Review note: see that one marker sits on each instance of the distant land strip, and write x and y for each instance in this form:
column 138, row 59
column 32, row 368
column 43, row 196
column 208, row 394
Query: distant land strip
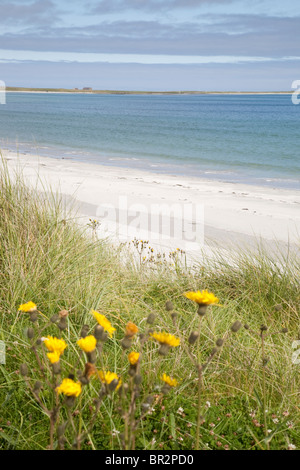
column 124, row 92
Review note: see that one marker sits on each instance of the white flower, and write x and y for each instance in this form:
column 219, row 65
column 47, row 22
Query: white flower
column 180, row 410
column 207, row 404
column 275, row 420
column 291, row 447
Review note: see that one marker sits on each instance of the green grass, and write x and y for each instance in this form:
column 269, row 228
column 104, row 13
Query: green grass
column 46, row 258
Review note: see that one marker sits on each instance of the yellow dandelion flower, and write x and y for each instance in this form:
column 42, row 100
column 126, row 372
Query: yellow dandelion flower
column 29, row 307
column 53, row 357
column 108, row 377
column 69, row 388
column 202, row 297
column 133, row 357
column 169, row 381
column 104, row 322
column 166, row 338
column 55, row 345
column 87, row 344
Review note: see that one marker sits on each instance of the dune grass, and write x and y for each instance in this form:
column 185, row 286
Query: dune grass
column 249, row 397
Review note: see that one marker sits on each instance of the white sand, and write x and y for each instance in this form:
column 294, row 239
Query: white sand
column 235, row 215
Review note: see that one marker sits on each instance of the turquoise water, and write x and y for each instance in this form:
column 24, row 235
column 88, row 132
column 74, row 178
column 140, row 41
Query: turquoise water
column 252, row 139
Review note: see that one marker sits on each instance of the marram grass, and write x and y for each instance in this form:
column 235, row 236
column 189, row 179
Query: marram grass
column 72, row 381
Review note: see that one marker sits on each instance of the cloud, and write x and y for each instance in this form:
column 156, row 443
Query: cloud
column 108, row 6
column 28, row 13
column 240, row 35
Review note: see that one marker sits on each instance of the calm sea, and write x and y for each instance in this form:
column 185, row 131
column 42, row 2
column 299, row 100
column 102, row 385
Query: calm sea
column 251, row 139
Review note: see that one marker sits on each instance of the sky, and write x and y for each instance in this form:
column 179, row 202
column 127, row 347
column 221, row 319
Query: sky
column 159, row 45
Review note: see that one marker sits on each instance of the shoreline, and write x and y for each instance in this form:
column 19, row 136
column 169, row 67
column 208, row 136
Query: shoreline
column 219, row 214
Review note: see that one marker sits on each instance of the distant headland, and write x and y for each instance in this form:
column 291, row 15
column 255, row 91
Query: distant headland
column 89, row 90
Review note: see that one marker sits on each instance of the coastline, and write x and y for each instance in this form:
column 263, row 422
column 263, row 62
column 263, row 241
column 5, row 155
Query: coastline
column 137, row 92
column 229, row 216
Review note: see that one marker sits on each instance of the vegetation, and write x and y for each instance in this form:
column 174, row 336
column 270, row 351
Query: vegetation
column 224, row 376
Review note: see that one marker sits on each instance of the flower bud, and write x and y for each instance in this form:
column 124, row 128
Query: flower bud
column 138, row 379
column 62, row 324
column 84, row 331
column 236, row 326
column 219, row 342
column 169, row 306
column 37, row 386
column 63, row 313
column 54, row 318
column 126, row 343
column 193, row 337
column 33, row 315
column 56, row 368
column 174, row 315
column 284, row 330
column 30, row 333
column 151, row 318
column 92, row 356
column 263, row 328
column 84, row 380
column 98, row 332
column 24, row 370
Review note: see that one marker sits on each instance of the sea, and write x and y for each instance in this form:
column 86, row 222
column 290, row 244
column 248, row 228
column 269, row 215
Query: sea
column 251, row 139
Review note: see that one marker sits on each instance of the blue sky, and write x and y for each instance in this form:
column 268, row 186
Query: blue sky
column 150, row 44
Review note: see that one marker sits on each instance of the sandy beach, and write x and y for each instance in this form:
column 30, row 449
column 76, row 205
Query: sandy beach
column 170, row 211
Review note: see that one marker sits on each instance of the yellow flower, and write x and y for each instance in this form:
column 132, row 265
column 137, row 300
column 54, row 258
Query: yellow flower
column 53, row 357
column 131, row 329
column 202, row 297
column 133, row 357
column 55, row 345
column 169, row 381
column 166, row 338
column 87, row 344
column 102, row 320
column 29, row 307
column 69, row 388
column 108, row 377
